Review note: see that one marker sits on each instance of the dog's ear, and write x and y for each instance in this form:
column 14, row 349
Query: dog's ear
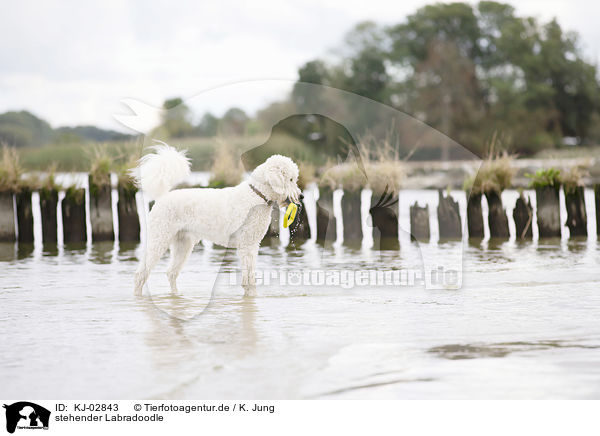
column 275, row 180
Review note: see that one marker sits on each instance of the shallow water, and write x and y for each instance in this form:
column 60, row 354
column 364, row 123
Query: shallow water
column 524, row 324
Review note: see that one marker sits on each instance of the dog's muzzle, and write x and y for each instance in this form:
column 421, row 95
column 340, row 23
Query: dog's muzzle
column 300, row 198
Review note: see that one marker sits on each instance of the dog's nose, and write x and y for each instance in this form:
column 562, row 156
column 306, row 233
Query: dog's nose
column 301, row 196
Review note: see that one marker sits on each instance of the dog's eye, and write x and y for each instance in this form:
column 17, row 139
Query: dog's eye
column 291, row 179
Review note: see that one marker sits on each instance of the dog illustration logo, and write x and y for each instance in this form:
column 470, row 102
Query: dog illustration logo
column 26, row 415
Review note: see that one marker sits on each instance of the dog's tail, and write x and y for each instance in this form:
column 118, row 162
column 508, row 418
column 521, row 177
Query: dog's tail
column 157, row 173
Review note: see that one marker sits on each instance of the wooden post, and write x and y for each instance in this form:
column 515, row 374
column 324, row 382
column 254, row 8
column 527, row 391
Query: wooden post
column 73, row 216
column 448, row 217
column 7, row 217
column 24, row 250
column 48, row 208
column 351, row 217
column 419, row 223
column 24, row 215
column 326, row 222
column 548, row 211
column 523, row 216
column 475, row 216
column 101, row 210
column 7, row 252
column 129, row 221
column 597, row 195
column 384, row 216
column 576, row 213
column 497, row 218
column 299, row 229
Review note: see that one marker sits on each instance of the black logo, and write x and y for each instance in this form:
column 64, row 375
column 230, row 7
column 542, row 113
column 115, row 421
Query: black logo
column 26, row 415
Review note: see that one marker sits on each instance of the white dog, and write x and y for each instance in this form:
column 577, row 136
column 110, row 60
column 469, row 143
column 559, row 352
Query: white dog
column 236, row 217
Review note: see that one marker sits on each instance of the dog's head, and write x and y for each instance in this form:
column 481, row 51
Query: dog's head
column 278, row 178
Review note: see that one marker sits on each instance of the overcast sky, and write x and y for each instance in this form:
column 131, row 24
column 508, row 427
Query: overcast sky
column 72, row 62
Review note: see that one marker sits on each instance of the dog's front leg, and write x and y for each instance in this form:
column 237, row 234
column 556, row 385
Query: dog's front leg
column 248, row 261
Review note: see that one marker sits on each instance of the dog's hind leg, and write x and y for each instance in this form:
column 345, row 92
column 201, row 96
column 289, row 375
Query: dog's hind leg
column 181, row 248
column 154, row 251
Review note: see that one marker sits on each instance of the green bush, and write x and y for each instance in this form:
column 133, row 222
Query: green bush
column 545, row 177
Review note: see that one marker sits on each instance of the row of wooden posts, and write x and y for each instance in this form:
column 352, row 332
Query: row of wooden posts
column 383, row 213
column 73, row 214
column 385, row 218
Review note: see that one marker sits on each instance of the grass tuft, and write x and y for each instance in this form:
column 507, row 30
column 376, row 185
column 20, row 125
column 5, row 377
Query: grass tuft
column 384, row 168
column 10, row 170
column 385, row 174
column 227, row 169
column 573, row 178
column 125, row 162
column 549, row 177
column 101, row 163
column 494, row 175
column 307, row 174
column 347, row 176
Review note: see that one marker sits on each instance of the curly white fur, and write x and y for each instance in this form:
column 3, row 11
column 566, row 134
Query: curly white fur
column 157, row 173
column 234, row 217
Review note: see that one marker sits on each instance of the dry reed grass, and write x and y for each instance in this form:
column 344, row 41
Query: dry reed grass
column 10, row 170
column 227, row 169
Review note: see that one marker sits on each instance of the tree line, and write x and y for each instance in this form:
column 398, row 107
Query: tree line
column 472, row 72
column 24, row 129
